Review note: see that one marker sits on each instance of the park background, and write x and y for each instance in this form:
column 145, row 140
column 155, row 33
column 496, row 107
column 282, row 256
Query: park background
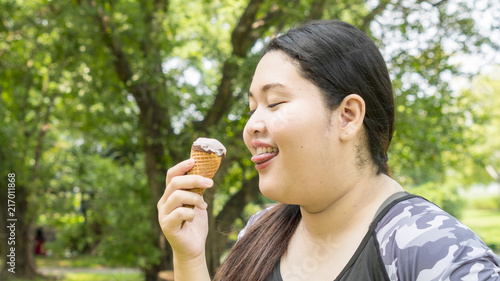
column 99, row 98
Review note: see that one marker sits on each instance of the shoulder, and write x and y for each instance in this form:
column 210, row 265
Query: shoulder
column 252, row 220
column 420, row 241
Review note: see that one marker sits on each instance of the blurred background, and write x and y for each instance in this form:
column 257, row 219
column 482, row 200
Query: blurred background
column 100, row 97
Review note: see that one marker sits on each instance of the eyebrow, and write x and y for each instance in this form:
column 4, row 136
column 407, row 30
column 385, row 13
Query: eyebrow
column 268, row 87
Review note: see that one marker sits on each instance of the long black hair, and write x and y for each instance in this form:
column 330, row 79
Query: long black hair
column 340, row 60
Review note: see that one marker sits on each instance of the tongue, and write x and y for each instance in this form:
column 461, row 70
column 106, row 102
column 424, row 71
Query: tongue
column 261, row 158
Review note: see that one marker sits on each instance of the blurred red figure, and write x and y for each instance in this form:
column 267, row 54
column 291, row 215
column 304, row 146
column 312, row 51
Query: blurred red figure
column 39, row 240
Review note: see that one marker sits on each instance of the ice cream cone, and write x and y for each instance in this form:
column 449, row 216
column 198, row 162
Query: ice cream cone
column 208, row 154
column 206, row 165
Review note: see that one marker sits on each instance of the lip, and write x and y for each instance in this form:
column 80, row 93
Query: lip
column 265, row 159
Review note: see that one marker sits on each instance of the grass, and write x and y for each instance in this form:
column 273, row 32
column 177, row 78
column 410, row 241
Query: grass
column 486, row 224
column 92, row 277
column 82, row 262
column 103, row 277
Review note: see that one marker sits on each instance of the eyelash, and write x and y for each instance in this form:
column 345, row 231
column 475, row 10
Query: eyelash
column 269, row 106
column 274, row 104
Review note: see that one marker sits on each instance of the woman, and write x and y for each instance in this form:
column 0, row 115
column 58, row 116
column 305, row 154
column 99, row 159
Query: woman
column 322, row 120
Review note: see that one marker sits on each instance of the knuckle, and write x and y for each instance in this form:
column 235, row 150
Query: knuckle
column 188, row 214
column 160, row 204
column 181, row 197
column 174, row 196
column 181, row 213
column 174, row 182
column 170, row 172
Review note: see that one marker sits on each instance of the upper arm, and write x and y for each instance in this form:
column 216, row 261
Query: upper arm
column 421, row 242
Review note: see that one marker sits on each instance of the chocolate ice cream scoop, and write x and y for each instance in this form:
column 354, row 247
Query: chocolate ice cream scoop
column 208, row 145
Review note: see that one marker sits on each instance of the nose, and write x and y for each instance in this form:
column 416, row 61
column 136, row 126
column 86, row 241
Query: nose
column 255, row 123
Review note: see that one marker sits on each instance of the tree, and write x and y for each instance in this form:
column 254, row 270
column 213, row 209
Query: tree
column 31, row 80
column 483, row 120
column 422, row 70
column 165, row 72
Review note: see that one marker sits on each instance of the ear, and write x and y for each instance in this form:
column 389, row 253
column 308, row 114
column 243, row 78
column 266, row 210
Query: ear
column 351, row 113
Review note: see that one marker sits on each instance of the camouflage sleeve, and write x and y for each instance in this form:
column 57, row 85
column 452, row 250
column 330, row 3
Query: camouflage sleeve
column 420, row 242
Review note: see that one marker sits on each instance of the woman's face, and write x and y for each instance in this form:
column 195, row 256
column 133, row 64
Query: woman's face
column 292, row 136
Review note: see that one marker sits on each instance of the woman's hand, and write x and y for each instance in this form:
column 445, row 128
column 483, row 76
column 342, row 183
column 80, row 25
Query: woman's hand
column 188, row 240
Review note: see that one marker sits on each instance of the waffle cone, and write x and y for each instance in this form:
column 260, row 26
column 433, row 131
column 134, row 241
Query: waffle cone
column 206, row 165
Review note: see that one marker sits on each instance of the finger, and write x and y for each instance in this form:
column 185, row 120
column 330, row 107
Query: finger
column 175, row 219
column 179, row 169
column 180, row 198
column 189, row 182
column 185, row 182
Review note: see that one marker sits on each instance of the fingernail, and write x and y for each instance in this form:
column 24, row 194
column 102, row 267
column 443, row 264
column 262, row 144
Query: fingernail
column 208, row 182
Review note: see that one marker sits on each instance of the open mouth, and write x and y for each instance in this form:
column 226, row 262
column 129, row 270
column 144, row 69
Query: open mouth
column 263, row 155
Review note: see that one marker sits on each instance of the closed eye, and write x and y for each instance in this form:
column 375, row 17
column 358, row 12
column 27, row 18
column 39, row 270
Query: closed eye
column 274, row 104
column 250, row 112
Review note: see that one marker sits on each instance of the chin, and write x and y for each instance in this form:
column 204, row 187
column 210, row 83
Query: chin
column 271, row 191
column 278, row 194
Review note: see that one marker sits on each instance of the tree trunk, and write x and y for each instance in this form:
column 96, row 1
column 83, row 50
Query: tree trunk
column 4, row 232
column 151, row 274
column 222, row 224
column 151, row 122
column 17, row 237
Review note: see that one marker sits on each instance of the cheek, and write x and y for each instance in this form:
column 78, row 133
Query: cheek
column 283, row 118
column 297, row 121
column 306, row 141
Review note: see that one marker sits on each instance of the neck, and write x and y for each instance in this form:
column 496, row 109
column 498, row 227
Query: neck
column 356, row 206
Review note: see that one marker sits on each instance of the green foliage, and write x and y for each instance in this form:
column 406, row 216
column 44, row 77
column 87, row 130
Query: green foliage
column 445, row 196
column 485, row 153
column 485, row 224
column 74, row 129
column 480, row 197
column 92, row 218
column 488, row 202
